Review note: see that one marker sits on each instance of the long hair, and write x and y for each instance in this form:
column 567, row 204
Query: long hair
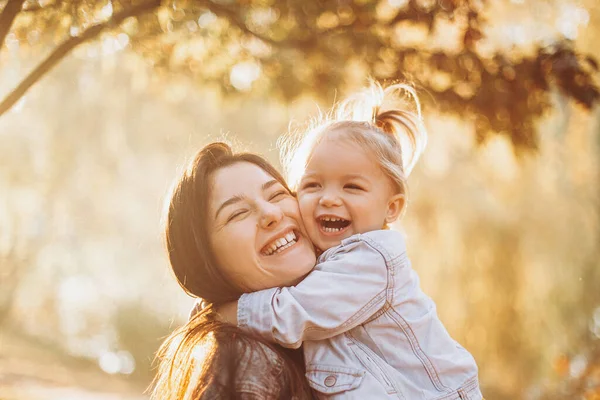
column 193, row 356
column 186, row 230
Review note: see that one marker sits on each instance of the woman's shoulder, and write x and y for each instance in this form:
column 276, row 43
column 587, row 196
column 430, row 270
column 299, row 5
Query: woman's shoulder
column 246, row 350
column 245, row 368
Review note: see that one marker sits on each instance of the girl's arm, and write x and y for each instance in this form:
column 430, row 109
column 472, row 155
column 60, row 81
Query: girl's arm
column 341, row 293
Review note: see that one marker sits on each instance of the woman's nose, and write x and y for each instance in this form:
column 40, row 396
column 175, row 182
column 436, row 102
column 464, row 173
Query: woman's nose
column 271, row 215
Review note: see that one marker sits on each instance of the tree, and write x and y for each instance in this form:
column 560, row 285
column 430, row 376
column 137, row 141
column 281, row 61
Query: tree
column 294, row 46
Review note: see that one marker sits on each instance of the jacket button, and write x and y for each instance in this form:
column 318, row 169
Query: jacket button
column 330, row 380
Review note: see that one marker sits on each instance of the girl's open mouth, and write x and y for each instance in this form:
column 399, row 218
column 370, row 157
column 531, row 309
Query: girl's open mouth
column 330, row 225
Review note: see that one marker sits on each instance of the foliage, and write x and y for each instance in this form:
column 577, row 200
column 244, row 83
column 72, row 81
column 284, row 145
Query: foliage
column 508, row 249
column 295, row 46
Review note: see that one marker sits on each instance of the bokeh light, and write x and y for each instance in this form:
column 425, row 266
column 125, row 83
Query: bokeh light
column 503, row 221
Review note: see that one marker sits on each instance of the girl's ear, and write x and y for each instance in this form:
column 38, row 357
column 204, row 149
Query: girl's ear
column 395, row 206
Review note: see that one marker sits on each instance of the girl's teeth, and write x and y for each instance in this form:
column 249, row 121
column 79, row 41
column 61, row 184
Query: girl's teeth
column 331, row 219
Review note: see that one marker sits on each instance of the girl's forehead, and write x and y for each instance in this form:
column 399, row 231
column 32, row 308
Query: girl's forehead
column 342, row 155
column 341, row 141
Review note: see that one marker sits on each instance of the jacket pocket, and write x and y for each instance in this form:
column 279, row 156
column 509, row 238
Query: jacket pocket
column 329, row 379
column 373, row 363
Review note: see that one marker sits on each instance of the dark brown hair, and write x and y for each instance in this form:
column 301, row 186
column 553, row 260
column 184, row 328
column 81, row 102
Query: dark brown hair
column 186, row 230
column 191, row 357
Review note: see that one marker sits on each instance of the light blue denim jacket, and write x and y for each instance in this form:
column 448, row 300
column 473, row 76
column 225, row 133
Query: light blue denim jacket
column 368, row 330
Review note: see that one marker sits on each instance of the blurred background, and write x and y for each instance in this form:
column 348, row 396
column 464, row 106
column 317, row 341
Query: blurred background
column 104, row 101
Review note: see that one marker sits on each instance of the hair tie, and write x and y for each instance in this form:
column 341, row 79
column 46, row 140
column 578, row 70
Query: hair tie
column 382, row 121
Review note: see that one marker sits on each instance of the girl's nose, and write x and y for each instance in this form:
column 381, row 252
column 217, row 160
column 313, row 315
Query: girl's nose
column 271, row 215
column 330, row 200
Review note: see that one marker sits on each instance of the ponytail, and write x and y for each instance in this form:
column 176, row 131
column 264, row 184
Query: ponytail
column 394, row 110
column 387, row 122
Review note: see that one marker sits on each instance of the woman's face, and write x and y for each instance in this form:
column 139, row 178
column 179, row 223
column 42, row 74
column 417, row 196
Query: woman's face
column 255, row 229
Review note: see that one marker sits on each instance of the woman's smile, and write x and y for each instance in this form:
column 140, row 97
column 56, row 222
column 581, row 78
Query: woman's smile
column 281, row 243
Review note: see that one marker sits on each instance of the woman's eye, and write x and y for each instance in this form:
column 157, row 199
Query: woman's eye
column 278, row 195
column 236, row 214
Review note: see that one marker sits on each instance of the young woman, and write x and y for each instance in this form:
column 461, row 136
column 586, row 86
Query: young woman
column 224, row 210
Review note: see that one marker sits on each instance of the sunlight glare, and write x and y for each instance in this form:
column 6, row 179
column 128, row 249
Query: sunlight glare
column 206, row 19
column 244, row 74
column 570, row 19
column 107, row 11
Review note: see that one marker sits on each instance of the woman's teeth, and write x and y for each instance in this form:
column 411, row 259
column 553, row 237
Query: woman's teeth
column 278, row 245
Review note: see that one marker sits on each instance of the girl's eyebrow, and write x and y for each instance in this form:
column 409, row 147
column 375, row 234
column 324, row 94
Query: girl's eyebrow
column 355, row 176
column 309, row 175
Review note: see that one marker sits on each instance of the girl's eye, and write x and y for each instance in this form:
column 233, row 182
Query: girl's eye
column 236, row 214
column 353, row 186
column 310, row 185
column 278, row 195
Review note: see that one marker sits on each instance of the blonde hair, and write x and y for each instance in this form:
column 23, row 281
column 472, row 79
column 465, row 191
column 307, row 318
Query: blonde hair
column 386, row 121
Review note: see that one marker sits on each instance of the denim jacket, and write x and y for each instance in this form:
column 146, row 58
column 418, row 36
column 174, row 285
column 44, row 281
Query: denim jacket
column 368, row 330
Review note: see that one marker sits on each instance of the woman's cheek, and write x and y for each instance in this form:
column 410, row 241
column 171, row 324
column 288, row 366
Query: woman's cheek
column 233, row 235
column 248, row 234
column 291, row 205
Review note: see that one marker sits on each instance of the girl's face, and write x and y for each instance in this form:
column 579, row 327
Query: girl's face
column 344, row 192
column 256, row 231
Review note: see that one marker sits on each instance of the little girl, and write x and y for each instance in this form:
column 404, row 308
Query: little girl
column 367, row 329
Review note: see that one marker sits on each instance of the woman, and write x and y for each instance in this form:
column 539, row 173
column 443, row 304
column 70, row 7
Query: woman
column 226, row 214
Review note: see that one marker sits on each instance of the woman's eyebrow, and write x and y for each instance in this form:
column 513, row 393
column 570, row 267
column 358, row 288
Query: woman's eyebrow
column 268, row 184
column 228, row 202
column 239, row 197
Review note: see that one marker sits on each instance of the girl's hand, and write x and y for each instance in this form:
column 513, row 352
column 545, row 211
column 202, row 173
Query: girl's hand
column 227, row 313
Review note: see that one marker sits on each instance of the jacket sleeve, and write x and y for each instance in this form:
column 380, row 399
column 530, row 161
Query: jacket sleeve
column 339, row 294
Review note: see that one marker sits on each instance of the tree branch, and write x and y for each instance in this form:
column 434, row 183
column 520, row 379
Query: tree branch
column 10, row 12
column 67, row 46
column 231, row 16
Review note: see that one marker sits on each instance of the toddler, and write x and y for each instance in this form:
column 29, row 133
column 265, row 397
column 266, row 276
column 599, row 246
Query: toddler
column 367, row 329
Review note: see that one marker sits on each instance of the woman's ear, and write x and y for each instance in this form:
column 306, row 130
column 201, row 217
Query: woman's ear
column 395, row 206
